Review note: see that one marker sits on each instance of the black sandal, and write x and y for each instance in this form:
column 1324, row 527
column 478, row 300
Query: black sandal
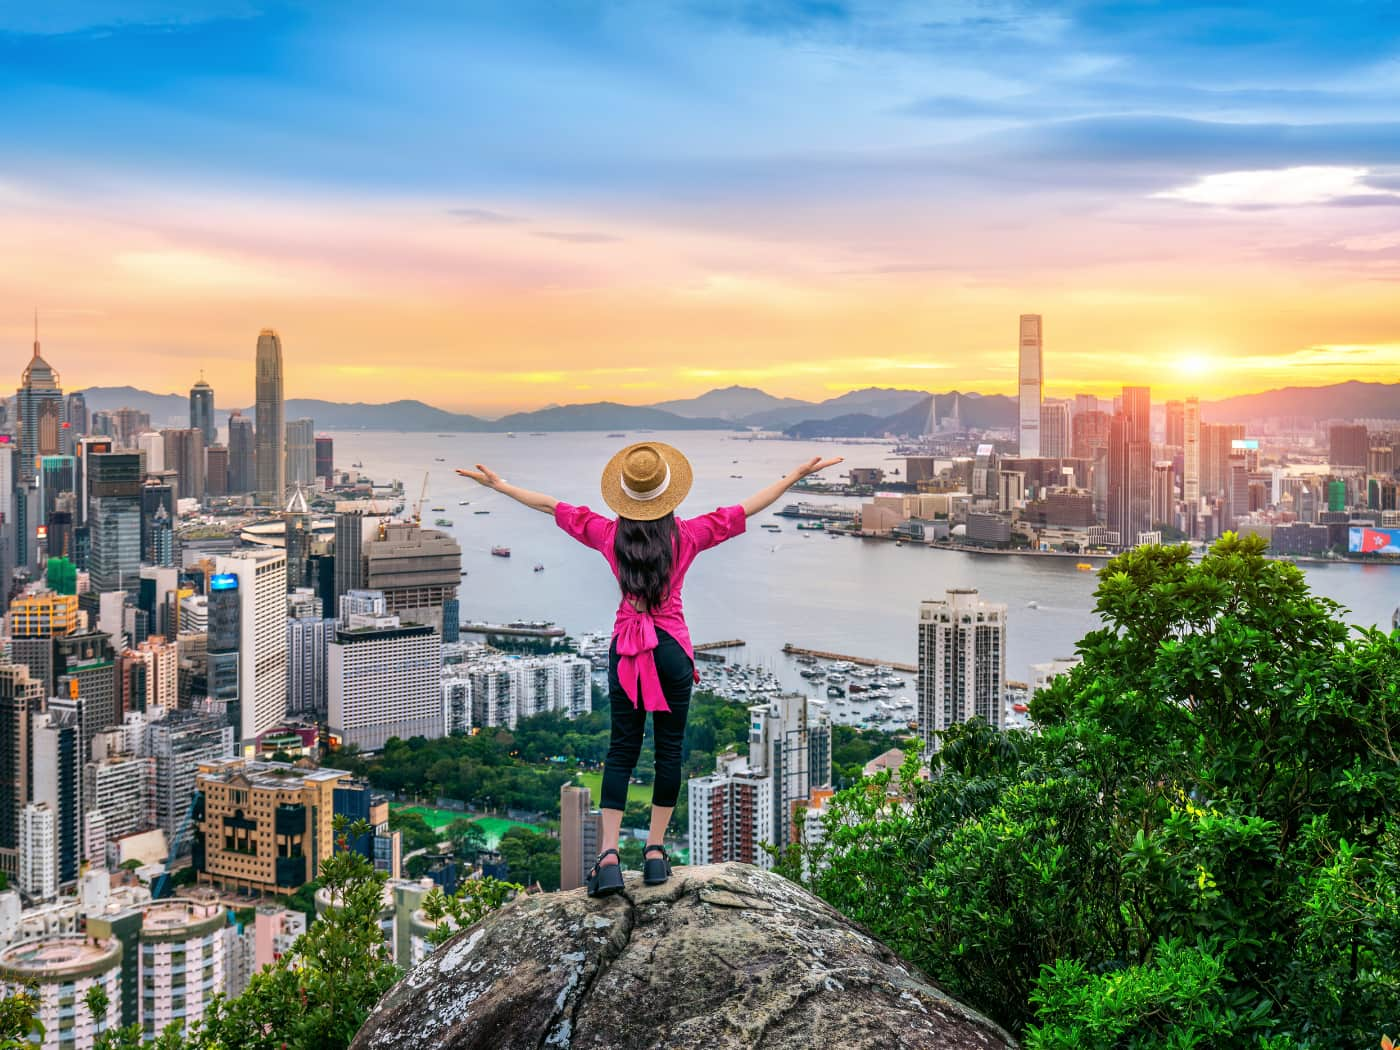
column 655, row 870
column 605, row 879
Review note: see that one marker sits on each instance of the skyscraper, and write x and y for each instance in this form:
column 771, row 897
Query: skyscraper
column 242, row 455
column 325, row 457
column 216, row 471
column 1130, row 466
column 349, row 553
column 296, row 538
column 1217, row 445
column 1031, row 384
column 1191, row 458
column 77, row 414
column 184, row 454
column 202, row 411
column 962, row 663
column 1055, row 429
column 261, row 584
column 419, row 571
column 578, row 835
column 301, row 452
column 1348, row 445
column 114, row 482
column 1163, row 494
column 21, row 697
column 384, row 680
column 39, row 402
column 271, row 428
column 58, row 779
column 1176, row 424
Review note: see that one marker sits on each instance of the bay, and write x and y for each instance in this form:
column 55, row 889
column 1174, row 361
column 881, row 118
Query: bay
column 842, row 594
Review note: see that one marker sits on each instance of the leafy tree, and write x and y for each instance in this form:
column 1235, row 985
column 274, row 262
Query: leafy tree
column 19, row 1018
column 474, row 899
column 1199, row 847
column 531, row 857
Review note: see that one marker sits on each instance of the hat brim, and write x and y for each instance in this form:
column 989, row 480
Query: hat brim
column 647, row 509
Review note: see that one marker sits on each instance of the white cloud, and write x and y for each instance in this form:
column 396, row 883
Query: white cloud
column 1278, row 188
column 1371, row 242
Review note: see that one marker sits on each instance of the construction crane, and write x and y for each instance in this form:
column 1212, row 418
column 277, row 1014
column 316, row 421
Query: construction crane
column 163, row 883
column 422, row 498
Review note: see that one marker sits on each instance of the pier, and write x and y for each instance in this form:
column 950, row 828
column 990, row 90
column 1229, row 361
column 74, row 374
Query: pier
column 732, row 643
column 864, row 661
column 509, row 630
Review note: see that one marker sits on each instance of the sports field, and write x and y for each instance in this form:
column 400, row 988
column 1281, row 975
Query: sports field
column 594, row 782
column 492, row 827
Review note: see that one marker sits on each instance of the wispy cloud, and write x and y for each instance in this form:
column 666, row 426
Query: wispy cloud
column 483, row 216
column 1280, row 188
column 578, row 236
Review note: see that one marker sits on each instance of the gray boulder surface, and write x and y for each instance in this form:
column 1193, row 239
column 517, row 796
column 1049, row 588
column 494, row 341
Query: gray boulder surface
column 721, row 957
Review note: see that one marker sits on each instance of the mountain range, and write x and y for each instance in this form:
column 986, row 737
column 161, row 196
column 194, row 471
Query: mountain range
column 870, row 412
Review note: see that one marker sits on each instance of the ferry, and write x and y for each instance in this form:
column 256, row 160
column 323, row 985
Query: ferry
column 812, row 526
column 438, row 510
column 501, row 552
column 445, row 523
column 464, row 503
column 439, row 459
column 481, row 512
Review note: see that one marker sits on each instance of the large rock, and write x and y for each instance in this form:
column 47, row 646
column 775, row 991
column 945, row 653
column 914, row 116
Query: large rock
column 720, row 958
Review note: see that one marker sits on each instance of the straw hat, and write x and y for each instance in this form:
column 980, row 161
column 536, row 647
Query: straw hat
column 646, row 481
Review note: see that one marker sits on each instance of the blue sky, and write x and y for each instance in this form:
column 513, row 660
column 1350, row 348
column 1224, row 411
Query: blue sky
column 881, row 138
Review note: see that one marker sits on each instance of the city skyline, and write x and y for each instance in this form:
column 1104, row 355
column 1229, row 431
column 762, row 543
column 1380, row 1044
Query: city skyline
column 518, row 207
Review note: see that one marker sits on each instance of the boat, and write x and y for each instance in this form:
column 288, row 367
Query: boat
column 855, row 687
column 509, row 434
column 1032, row 604
column 814, row 526
column 736, row 475
column 812, row 672
column 445, row 523
column 439, row 459
column 835, row 691
column 1084, row 566
column 357, row 466
column 617, row 435
column 537, row 433
column 501, row 552
column 464, row 572
column 539, row 567
column 437, row 510
column 899, row 543
column 481, row 512
column 464, row 503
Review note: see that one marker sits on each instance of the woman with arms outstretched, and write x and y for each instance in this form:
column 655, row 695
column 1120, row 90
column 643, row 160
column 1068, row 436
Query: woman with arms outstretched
column 651, row 662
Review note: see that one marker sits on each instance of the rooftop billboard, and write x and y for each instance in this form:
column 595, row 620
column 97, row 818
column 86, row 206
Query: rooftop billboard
column 1366, row 540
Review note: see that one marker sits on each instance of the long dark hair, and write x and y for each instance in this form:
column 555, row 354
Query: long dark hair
column 646, row 553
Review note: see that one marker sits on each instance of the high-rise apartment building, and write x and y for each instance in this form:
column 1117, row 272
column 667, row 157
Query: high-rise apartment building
column 1088, row 433
column 301, row 453
column 265, row 826
column 259, row 578
column 751, row 801
column 1129, row 480
column 161, row 676
column 119, row 784
column 962, row 663
column 307, row 652
column 242, row 455
column 271, row 425
column 1348, row 445
column 1217, row 445
column 202, row 411
column 1191, row 453
column 580, row 831
column 178, row 745
column 21, row 697
column 1031, row 384
column 61, row 970
column 1163, row 496
column 499, row 690
column 38, row 854
column 1176, row 424
column 1056, row 430
column 384, row 680
column 184, row 454
column 58, row 779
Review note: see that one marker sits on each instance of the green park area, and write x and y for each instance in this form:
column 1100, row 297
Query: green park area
column 636, row 793
column 492, row 827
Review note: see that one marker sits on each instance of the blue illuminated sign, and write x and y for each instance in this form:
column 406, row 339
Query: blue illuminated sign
column 223, row 581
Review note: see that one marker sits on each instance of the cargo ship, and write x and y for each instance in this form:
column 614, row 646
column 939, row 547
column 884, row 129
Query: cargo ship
column 501, row 552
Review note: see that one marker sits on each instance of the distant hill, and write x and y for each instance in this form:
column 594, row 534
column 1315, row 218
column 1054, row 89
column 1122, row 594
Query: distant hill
column 1350, row 400
column 164, row 409
column 983, row 412
column 731, row 402
column 871, row 401
column 605, row 415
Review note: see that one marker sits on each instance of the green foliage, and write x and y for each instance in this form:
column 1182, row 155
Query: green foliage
column 19, row 1018
column 474, row 899
column 532, row 857
column 1198, row 848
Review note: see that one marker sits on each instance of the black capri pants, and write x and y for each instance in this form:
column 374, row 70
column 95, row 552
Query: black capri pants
column 629, row 724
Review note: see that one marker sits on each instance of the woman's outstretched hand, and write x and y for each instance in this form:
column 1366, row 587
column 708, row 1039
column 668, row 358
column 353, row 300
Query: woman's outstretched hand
column 484, row 476
column 816, row 464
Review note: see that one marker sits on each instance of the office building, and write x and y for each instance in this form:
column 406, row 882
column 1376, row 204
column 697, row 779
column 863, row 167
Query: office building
column 58, row 780
column 1056, row 430
column 265, row 826
column 301, row 453
column 1163, row 494
column 360, row 603
column 128, row 424
column 1191, row 449
column 35, row 621
column 38, row 852
column 114, row 483
column 1089, row 433
column 216, row 471
column 349, row 552
column 580, row 830
column 77, row 414
column 962, row 663
column 296, row 537
column 85, row 666
column 1217, row 446
column 271, row 429
column 259, row 578
column 384, row 680
column 1348, row 446
column 21, row 697
column 242, row 455
column 325, row 458
column 60, row 971
column 178, row 745
column 1129, row 504
column 1031, row 384
column 39, row 402
column 307, row 651
column 419, row 571
column 83, row 451
column 184, row 455
column 222, row 643
column 151, row 445
column 1176, row 424
column 202, row 411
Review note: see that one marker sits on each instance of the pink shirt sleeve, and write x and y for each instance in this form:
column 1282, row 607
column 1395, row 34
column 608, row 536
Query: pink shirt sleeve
column 582, row 524
column 714, row 528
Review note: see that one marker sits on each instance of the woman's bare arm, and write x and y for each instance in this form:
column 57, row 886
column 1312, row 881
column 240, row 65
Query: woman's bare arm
column 488, row 477
column 767, row 496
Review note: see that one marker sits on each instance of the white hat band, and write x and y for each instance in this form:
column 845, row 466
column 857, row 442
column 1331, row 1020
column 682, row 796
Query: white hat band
column 632, row 493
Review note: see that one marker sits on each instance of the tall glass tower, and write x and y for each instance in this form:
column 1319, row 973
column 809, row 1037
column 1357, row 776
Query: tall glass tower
column 202, row 411
column 1031, row 385
column 42, row 415
column 271, row 422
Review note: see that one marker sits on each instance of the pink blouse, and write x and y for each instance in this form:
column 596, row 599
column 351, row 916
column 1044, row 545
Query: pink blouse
column 634, row 630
